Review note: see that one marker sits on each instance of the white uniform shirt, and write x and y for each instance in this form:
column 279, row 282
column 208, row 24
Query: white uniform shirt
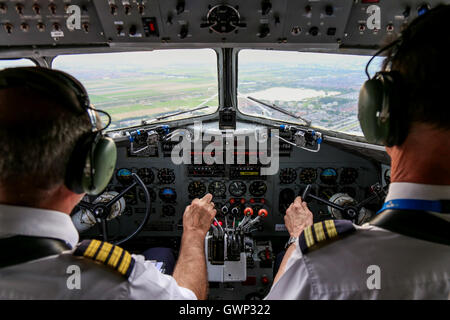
column 52, row 277
column 408, row 268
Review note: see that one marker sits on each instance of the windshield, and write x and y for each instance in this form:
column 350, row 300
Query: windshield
column 137, row 86
column 316, row 87
column 12, row 63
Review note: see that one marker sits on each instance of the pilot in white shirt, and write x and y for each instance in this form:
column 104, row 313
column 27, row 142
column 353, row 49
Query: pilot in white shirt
column 404, row 251
column 53, row 273
column 368, row 262
column 49, row 159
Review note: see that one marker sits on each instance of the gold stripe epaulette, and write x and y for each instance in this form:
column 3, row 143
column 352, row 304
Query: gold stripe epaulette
column 324, row 230
column 108, row 254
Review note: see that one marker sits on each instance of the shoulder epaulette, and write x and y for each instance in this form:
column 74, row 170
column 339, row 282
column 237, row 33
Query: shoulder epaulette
column 108, row 254
column 322, row 231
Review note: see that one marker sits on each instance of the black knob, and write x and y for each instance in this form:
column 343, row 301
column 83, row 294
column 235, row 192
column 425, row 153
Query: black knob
column 264, row 31
column 329, row 10
column 266, row 6
column 180, row 7
column 406, row 12
column 183, row 32
column 133, row 30
column 314, row 31
column 308, row 9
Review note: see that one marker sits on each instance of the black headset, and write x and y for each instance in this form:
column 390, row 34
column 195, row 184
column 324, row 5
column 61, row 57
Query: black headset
column 382, row 112
column 380, row 105
column 92, row 162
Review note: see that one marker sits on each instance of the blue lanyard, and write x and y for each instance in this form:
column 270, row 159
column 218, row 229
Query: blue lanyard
column 413, row 204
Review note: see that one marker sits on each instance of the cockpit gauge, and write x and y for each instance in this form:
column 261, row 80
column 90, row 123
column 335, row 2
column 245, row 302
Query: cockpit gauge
column 124, row 176
column 348, row 175
column 237, row 188
column 168, row 194
column 287, row 175
column 387, row 176
column 146, row 174
column 168, row 210
column 217, row 189
column 166, row 175
column 141, row 194
column 326, row 193
column 329, row 176
column 257, row 188
column 349, row 191
column 196, row 189
column 286, row 197
column 308, row 175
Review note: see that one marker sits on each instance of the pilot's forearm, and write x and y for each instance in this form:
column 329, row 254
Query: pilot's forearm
column 190, row 270
column 283, row 264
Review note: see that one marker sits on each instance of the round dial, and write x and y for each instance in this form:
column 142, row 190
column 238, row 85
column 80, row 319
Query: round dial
column 166, row 175
column 168, row 195
column 328, row 176
column 257, row 188
column 288, row 175
column 387, row 176
column 124, row 176
column 286, row 197
column 308, row 175
column 146, row 174
column 217, row 188
column 348, row 175
column 349, row 190
column 196, row 188
column 326, row 193
column 237, row 188
column 141, row 194
column 168, row 210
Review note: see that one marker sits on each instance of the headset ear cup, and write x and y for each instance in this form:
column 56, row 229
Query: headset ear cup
column 371, row 105
column 104, row 161
column 104, row 155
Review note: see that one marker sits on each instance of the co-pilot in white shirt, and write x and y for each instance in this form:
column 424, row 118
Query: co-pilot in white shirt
column 408, row 268
column 48, row 278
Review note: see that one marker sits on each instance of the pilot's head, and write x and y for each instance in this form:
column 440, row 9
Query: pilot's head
column 46, row 136
column 406, row 105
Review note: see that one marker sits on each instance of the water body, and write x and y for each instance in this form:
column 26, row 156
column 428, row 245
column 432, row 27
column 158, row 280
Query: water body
column 291, row 94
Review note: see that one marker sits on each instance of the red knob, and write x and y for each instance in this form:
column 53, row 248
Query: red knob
column 262, row 213
column 248, row 211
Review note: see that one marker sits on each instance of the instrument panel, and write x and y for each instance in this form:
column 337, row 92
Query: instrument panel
column 236, row 187
column 324, row 24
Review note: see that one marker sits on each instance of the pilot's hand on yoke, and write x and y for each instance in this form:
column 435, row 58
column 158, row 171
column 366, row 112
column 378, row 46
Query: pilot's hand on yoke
column 298, row 217
column 199, row 215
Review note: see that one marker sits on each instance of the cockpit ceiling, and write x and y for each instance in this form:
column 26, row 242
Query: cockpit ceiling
column 358, row 26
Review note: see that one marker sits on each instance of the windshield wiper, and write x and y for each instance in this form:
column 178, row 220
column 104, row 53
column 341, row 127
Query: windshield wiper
column 173, row 114
column 277, row 108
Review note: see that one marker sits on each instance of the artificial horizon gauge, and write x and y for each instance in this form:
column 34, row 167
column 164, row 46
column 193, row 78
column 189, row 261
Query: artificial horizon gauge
column 168, row 195
column 237, row 188
column 196, row 189
column 308, row 175
column 287, row 175
column 329, row 176
column 257, row 188
column 124, row 176
column 166, row 175
column 146, row 174
column 217, row 189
